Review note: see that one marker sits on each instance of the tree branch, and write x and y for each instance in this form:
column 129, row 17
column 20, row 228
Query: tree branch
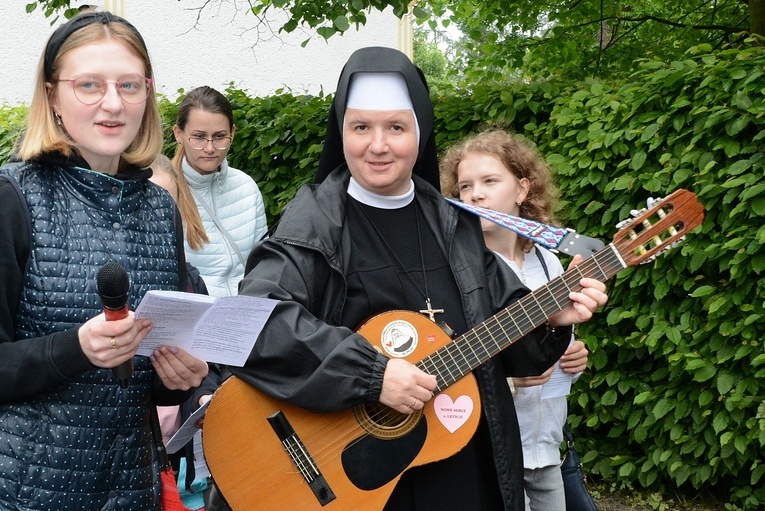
column 649, row 17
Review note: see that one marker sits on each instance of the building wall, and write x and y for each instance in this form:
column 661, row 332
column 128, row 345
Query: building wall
column 220, row 44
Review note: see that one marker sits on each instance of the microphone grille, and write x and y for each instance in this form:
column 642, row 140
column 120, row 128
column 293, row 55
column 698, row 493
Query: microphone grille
column 113, row 280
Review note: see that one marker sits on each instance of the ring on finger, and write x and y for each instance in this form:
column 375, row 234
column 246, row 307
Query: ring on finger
column 414, row 402
column 114, row 343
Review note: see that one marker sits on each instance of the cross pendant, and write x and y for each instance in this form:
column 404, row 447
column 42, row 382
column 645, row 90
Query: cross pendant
column 430, row 311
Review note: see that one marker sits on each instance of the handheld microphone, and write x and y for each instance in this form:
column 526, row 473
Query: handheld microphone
column 113, row 287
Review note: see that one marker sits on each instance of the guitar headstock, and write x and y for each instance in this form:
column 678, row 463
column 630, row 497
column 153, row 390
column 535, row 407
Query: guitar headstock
column 657, row 228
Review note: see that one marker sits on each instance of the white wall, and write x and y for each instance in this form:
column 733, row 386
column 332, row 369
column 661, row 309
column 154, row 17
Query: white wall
column 220, row 44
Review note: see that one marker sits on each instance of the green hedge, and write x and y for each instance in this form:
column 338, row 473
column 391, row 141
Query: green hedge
column 12, row 120
column 676, row 391
column 674, row 398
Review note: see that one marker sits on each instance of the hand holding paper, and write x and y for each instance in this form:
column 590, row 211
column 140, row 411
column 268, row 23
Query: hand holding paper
column 219, row 330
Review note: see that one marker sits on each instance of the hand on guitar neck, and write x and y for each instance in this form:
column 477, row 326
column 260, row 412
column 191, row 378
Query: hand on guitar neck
column 584, row 302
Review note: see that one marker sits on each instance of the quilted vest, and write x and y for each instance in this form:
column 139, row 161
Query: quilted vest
column 85, row 445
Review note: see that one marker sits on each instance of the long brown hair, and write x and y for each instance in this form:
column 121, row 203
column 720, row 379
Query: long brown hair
column 210, row 100
column 520, row 157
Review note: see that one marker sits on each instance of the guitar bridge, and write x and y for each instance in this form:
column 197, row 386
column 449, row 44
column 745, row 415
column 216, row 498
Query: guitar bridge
column 301, row 458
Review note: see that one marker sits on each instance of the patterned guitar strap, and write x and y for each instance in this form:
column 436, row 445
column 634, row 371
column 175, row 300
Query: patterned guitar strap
column 556, row 239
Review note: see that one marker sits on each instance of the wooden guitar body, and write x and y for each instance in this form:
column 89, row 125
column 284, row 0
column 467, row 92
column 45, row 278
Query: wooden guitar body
column 360, row 453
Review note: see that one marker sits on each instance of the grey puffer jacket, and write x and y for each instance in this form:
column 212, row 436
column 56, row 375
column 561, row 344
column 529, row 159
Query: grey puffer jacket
column 301, row 353
column 70, row 437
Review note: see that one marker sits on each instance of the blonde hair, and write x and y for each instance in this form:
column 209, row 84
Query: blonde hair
column 196, row 236
column 521, row 158
column 163, row 166
column 44, row 135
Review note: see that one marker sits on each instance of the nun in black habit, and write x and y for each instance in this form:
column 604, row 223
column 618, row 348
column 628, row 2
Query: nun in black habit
column 374, row 234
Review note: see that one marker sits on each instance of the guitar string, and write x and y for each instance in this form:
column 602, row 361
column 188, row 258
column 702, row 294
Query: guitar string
column 559, row 286
column 536, row 320
column 496, row 329
column 495, row 326
column 612, row 263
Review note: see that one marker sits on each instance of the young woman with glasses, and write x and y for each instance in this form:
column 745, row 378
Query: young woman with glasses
column 72, row 435
column 222, row 208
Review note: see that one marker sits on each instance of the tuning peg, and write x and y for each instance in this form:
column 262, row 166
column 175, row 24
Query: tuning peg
column 650, row 202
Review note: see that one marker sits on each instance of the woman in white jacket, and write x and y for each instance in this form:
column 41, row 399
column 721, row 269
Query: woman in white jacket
column 222, row 208
column 505, row 173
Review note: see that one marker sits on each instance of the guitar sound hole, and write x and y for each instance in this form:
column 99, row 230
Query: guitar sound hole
column 383, row 422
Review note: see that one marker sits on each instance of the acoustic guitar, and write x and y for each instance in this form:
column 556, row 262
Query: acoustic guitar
column 265, row 454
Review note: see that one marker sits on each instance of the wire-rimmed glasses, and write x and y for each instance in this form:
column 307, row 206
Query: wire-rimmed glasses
column 219, row 143
column 89, row 90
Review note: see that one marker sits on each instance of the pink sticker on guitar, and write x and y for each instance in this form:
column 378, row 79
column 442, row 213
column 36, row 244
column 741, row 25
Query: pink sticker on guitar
column 453, row 414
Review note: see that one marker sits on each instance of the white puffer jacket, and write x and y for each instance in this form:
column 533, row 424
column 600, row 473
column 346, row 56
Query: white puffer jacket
column 236, row 200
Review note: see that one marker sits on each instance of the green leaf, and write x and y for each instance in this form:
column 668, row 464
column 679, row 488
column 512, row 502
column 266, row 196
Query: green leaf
column 593, row 207
column 662, row 408
column 737, row 74
column 702, row 291
column 737, row 125
column 739, row 167
column 742, row 101
column 758, row 206
column 705, row 374
column 609, row 398
column 642, row 398
column 341, row 23
column 422, row 14
column 326, row 32
column 717, row 303
column 757, row 474
column 649, row 132
column 725, row 383
column 720, row 422
column 638, row 160
column 626, row 470
column 741, row 443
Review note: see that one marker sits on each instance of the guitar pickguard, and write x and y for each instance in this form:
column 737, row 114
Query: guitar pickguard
column 371, row 462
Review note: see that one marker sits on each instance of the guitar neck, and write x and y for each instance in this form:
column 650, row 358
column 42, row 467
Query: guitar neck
column 488, row 338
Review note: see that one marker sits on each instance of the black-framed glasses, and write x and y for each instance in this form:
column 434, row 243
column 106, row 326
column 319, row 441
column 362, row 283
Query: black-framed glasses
column 89, row 90
column 219, row 143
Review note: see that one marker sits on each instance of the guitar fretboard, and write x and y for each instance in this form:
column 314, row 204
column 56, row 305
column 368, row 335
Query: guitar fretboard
column 488, row 338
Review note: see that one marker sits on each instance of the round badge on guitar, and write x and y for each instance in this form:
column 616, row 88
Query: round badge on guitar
column 399, row 338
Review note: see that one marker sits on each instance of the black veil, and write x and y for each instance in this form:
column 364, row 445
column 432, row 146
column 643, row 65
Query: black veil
column 376, row 59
